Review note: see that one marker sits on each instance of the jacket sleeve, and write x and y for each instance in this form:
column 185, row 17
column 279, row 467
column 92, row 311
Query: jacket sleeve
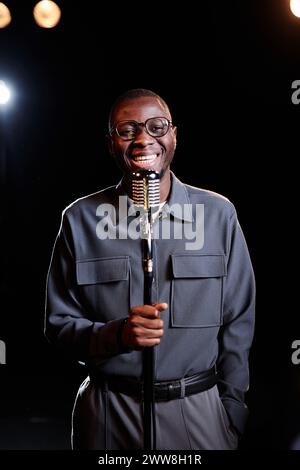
column 236, row 333
column 67, row 322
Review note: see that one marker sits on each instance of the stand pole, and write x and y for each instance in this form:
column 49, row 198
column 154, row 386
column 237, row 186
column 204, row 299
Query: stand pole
column 148, row 352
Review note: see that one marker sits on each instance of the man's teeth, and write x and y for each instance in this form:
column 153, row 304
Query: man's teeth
column 144, row 158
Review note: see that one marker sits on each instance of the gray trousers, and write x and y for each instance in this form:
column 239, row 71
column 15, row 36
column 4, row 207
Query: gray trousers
column 105, row 420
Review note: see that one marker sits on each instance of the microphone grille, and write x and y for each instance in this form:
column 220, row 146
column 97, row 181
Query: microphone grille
column 145, row 189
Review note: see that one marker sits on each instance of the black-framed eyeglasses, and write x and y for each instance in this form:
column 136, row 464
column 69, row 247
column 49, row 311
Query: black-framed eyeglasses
column 128, row 130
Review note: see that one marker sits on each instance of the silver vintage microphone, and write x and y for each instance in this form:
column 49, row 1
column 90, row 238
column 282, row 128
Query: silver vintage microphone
column 145, row 189
column 146, row 194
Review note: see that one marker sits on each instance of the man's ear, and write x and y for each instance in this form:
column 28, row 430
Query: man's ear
column 109, row 144
column 175, row 134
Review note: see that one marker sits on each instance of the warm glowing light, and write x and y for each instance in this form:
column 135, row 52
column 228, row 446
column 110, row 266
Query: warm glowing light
column 5, row 17
column 4, row 93
column 295, row 7
column 46, row 14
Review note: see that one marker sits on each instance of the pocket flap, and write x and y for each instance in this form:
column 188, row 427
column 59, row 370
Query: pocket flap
column 102, row 270
column 198, row 265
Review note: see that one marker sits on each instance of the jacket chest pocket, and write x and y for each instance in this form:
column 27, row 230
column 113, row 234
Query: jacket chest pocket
column 105, row 284
column 197, row 290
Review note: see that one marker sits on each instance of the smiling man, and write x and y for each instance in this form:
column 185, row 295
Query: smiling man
column 201, row 320
column 142, row 136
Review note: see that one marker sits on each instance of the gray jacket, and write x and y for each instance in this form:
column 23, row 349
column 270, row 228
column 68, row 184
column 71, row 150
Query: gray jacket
column 96, row 276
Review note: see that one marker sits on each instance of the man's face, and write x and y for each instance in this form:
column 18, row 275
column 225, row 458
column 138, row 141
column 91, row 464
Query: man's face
column 144, row 151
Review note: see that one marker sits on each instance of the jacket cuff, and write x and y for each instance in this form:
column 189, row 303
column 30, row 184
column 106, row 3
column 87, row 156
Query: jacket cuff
column 105, row 340
column 237, row 413
column 122, row 348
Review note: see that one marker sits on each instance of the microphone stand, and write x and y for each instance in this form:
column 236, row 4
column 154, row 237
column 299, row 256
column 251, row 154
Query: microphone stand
column 148, row 352
column 146, row 194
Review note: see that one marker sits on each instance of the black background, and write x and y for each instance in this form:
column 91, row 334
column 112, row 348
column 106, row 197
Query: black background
column 225, row 69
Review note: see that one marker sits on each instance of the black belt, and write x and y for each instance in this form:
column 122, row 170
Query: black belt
column 163, row 390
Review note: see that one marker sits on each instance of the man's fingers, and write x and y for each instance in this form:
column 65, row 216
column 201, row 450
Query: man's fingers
column 147, row 332
column 140, row 343
column 149, row 311
column 148, row 323
column 161, row 306
column 144, row 327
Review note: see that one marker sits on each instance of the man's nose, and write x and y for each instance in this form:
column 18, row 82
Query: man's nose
column 142, row 137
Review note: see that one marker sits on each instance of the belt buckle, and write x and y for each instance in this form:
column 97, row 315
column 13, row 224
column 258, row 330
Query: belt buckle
column 172, row 391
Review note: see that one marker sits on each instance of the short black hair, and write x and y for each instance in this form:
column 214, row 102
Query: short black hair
column 133, row 94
